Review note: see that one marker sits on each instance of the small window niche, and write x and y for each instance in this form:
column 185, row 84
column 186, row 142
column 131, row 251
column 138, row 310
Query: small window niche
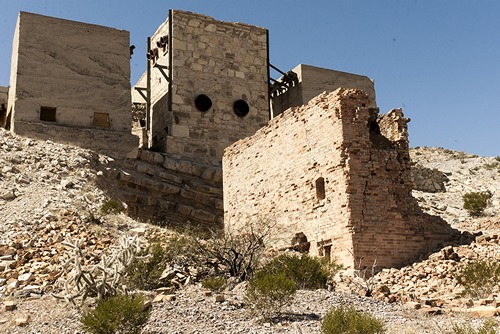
column 101, row 120
column 328, row 253
column 320, row 188
column 48, row 114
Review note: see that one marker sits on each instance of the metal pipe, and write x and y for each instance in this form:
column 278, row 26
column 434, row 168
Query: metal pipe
column 148, row 97
column 269, row 104
column 170, row 58
column 277, row 69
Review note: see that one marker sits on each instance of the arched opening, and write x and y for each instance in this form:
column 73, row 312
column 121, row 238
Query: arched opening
column 320, row 188
column 300, row 243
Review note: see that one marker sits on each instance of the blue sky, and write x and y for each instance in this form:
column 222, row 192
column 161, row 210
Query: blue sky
column 439, row 60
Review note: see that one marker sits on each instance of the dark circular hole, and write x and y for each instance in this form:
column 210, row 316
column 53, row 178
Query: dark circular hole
column 202, row 102
column 241, row 108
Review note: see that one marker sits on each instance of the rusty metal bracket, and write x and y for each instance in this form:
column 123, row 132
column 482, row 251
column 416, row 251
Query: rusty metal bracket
column 141, row 91
column 162, row 69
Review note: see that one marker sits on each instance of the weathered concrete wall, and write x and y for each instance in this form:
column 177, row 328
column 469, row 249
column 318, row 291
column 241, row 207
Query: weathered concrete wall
column 224, row 61
column 315, row 80
column 13, row 76
column 338, row 173
column 81, row 70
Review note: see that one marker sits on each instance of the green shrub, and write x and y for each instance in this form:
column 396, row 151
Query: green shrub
column 306, row 271
column 476, row 202
column 215, row 284
column 111, row 206
column 269, row 293
column 492, row 166
column 479, row 277
column 346, row 320
column 118, row 314
column 488, row 327
column 146, row 269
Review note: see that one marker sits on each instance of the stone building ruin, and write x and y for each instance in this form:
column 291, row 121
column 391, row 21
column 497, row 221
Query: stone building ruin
column 307, row 82
column 327, row 167
column 4, row 93
column 208, row 84
column 335, row 176
column 70, row 82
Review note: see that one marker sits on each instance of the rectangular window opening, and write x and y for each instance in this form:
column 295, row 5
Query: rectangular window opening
column 48, row 114
column 101, row 120
column 328, row 253
column 320, row 188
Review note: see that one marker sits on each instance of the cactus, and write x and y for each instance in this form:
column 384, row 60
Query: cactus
column 101, row 280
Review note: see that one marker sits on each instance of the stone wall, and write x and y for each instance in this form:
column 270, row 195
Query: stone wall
column 339, row 174
column 70, row 74
column 312, row 81
column 428, row 180
column 167, row 191
column 4, row 93
column 224, row 61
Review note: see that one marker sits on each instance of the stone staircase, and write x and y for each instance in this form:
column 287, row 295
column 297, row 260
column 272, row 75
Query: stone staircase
column 167, row 191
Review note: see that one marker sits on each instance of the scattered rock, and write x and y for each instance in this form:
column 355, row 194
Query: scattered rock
column 22, row 320
column 10, row 305
column 482, row 311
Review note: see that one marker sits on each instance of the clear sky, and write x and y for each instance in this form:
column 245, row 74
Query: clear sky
column 439, row 60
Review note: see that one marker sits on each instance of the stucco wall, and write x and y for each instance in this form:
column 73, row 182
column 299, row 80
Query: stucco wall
column 367, row 211
column 314, row 80
column 78, row 68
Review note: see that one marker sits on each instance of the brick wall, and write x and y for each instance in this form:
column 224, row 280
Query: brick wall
column 366, row 210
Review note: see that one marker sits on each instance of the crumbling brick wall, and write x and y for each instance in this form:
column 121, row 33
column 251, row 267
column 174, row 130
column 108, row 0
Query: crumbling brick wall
column 338, row 173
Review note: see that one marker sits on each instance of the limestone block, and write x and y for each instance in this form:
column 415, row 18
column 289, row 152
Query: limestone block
column 10, row 305
column 158, row 158
column 483, row 311
column 203, row 215
column 166, row 205
column 184, row 209
column 169, row 177
column 169, row 189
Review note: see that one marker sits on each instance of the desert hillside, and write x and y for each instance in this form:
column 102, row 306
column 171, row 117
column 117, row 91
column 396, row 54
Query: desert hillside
column 49, row 195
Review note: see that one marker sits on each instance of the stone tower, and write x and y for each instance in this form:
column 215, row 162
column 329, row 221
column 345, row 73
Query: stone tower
column 206, row 86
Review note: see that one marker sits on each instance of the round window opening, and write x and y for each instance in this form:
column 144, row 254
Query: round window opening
column 241, row 108
column 202, row 102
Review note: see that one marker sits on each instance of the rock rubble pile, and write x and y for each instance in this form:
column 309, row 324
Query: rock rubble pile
column 49, row 193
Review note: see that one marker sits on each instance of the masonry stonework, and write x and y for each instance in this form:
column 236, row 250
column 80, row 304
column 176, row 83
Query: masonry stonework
column 70, row 82
column 334, row 175
column 218, row 89
column 4, row 93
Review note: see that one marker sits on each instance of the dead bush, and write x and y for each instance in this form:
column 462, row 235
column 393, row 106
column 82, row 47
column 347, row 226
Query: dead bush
column 237, row 253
